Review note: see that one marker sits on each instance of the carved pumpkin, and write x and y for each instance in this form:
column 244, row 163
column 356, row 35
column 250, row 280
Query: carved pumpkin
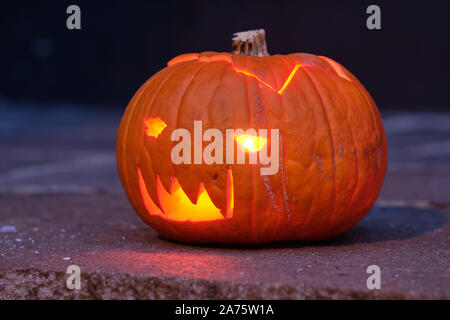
column 332, row 147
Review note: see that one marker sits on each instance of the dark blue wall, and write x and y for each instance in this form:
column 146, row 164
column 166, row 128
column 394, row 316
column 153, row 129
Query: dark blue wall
column 122, row 43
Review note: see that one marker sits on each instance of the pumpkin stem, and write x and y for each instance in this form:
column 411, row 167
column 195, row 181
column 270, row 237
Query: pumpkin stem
column 251, row 43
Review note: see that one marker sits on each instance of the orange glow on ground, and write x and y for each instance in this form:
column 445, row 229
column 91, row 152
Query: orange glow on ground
column 177, row 206
column 154, row 126
column 250, row 143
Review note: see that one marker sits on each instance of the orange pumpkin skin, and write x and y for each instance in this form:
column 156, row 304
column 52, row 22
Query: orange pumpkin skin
column 333, row 153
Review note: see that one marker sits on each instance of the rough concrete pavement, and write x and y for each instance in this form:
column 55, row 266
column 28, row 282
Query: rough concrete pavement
column 61, row 203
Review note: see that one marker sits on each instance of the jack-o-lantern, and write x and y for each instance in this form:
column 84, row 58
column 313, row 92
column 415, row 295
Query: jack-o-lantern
column 331, row 146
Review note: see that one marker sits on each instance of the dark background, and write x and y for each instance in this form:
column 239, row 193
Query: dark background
column 405, row 65
column 62, row 95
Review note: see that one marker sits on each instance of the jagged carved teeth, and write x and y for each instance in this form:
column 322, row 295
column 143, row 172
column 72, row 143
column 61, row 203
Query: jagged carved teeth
column 175, row 204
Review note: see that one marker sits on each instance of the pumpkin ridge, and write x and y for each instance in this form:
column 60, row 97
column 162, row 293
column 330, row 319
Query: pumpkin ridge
column 332, row 143
column 207, row 185
column 338, row 69
column 275, row 77
column 214, row 92
column 177, row 113
column 252, row 182
column 278, row 222
column 379, row 139
column 145, row 93
column 147, row 111
column 266, row 188
column 331, row 86
column 284, row 178
column 130, row 175
column 283, row 169
column 267, row 181
column 313, row 136
column 126, row 122
column 166, row 175
column 305, row 214
column 380, row 136
column 371, row 198
column 358, row 174
column 283, row 155
column 304, row 222
column 186, row 57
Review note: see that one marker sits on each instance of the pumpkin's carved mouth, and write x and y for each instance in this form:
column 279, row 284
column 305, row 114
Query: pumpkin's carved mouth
column 174, row 204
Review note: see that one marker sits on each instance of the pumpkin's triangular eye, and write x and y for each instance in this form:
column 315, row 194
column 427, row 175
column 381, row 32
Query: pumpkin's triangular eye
column 250, row 143
column 154, row 126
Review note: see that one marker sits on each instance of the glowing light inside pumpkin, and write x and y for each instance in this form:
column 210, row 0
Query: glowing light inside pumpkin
column 154, row 126
column 248, row 73
column 283, row 87
column 250, row 143
column 289, row 78
column 176, row 205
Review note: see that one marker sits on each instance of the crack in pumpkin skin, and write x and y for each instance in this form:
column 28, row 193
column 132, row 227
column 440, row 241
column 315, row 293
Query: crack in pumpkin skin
column 175, row 204
column 227, row 58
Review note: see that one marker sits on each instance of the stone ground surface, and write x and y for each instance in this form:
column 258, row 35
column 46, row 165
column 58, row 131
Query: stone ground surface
column 61, row 203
